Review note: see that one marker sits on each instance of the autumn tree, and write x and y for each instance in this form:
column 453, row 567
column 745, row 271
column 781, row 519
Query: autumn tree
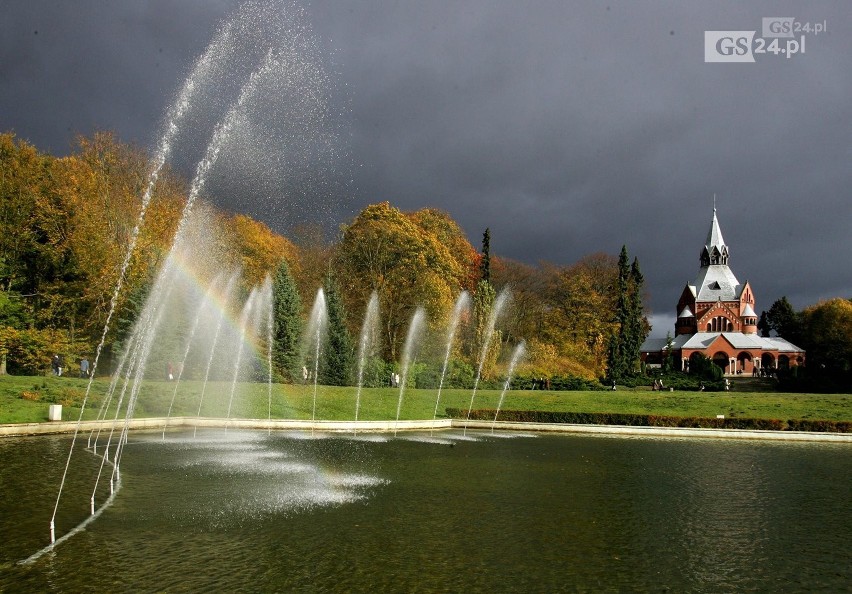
column 828, row 337
column 401, row 258
column 315, row 254
column 579, row 303
column 258, row 250
column 33, row 232
column 526, row 318
column 447, row 232
column 101, row 185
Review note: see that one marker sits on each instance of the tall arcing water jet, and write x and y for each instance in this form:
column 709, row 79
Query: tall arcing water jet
column 496, row 310
column 411, row 338
column 365, row 344
column 462, row 305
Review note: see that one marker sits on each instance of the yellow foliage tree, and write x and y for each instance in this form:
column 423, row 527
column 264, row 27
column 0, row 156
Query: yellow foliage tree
column 258, row 249
column 387, row 251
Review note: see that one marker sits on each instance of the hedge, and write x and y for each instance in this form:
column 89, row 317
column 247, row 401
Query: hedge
column 640, row 420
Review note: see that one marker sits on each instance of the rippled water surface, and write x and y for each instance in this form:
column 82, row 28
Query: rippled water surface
column 255, row 512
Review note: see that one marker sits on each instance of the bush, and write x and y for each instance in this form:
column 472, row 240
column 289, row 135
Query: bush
column 421, row 375
column 640, row 420
column 459, row 375
column 822, row 426
column 703, row 368
column 557, row 382
column 377, row 373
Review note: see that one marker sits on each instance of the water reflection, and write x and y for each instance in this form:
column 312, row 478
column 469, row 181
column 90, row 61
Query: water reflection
column 266, row 512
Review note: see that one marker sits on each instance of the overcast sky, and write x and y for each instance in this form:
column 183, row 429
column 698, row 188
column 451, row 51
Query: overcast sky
column 568, row 128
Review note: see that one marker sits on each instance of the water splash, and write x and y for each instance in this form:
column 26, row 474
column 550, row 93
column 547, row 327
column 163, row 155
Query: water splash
column 213, row 54
column 267, row 291
column 281, row 27
column 244, row 323
column 226, row 296
column 203, row 304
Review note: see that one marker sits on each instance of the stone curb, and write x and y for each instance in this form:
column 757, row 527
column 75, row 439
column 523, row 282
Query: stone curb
column 158, row 424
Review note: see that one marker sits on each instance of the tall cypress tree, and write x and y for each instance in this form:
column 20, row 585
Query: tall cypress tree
column 485, row 263
column 287, row 323
column 636, row 329
column 339, row 352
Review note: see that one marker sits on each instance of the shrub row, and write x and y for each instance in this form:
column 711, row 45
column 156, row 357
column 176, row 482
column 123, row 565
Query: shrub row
column 824, row 426
column 640, row 420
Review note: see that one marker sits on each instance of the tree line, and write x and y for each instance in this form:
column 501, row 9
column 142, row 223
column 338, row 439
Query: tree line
column 64, row 223
column 824, row 330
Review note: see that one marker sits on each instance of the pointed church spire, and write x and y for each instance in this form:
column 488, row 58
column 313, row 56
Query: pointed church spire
column 715, row 251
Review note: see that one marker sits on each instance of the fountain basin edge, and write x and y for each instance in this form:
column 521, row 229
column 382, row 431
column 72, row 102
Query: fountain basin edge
column 158, row 424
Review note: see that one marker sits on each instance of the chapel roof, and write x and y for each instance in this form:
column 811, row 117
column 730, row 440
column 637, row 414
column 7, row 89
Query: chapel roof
column 738, row 340
column 715, row 279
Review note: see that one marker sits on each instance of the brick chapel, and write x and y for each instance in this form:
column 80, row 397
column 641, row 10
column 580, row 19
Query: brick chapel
column 716, row 317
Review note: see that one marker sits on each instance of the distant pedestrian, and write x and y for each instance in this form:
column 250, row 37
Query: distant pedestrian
column 54, row 363
column 727, row 385
column 170, row 371
column 84, row 368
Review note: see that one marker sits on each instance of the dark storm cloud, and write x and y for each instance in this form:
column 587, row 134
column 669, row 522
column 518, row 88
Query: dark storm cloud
column 567, row 129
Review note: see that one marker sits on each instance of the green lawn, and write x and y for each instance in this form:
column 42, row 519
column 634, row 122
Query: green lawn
column 251, row 400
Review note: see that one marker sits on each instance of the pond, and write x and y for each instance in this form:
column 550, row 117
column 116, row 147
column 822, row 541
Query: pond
column 258, row 512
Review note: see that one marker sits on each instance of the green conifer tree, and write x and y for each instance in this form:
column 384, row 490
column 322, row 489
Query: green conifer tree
column 339, row 353
column 637, row 328
column 287, row 324
column 483, row 304
column 626, row 342
column 617, row 366
column 485, row 263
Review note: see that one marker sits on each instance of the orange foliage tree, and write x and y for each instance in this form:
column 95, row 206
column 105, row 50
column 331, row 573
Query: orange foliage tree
column 387, row 251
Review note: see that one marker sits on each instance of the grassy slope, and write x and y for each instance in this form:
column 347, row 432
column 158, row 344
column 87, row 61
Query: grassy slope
column 296, row 402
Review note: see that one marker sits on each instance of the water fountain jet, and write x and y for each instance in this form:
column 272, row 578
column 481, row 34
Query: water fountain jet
column 496, row 310
column 462, row 305
column 365, row 343
column 414, row 330
column 519, row 352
